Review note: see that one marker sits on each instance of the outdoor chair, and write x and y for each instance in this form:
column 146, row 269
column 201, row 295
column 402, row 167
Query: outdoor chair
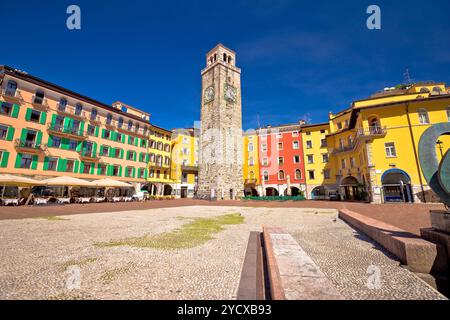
column 11, row 201
column 41, row 201
column 62, row 200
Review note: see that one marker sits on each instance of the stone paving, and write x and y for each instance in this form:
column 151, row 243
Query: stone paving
column 46, row 258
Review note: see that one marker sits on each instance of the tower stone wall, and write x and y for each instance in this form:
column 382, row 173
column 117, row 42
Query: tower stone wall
column 220, row 161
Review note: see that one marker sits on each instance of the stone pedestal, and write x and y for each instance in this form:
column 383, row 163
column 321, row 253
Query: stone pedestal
column 440, row 220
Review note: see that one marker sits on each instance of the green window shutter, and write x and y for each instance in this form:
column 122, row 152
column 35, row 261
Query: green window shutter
column 53, row 119
column 113, row 136
column 110, row 170
column 111, row 152
column 94, row 148
column 128, row 154
column 10, row 134
column 18, row 160
column 136, row 141
column 121, row 154
column 28, row 114
column 45, row 164
column 123, row 138
column 129, row 139
column 43, row 118
column 98, row 168
column 139, row 172
column 62, row 165
column 96, row 131
column 92, row 170
column 126, row 172
column 133, row 172
column 134, row 156
column 50, row 141
column 38, row 138
column 79, row 146
column 34, row 162
column 147, row 157
column 120, row 171
column 66, row 123
column 81, row 127
column 5, row 156
column 103, row 133
column 145, row 173
column 65, row 143
column 76, row 166
column 15, row 111
column 23, row 135
column 81, row 166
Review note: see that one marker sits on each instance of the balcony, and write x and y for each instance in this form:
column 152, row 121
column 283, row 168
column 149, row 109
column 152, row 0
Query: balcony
column 189, row 168
column 140, row 132
column 71, row 112
column 12, row 96
column 71, row 132
column 28, row 146
column 343, row 149
column 110, row 124
column 89, row 155
column 95, row 119
column 40, row 103
column 371, row 132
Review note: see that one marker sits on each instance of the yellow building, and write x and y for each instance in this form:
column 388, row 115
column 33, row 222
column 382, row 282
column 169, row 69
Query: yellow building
column 251, row 163
column 318, row 170
column 159, row 159
column 185, row 154
column 374, row 144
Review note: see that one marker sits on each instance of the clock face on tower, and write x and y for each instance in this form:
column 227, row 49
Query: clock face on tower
column 230, row 93
column 209, row 94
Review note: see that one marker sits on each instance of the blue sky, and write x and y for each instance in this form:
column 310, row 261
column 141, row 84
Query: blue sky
column 299, row 59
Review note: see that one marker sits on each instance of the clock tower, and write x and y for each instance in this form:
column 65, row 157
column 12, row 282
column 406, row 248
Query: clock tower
column 220, row 161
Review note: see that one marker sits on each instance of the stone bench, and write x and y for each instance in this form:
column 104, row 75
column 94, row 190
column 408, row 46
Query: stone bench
column 418, row 254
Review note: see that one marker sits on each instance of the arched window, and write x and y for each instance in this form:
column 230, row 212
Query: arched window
column 266, row 176
column 424, row 90
column 250, row 146
column 62, row 104
column 281, row 175
column 437, row 89
column 423, row 116
column 94, row 113
column 11, row 88
column 120, row 123
column 109, row 118
column 78, row 109
column 145, row 130
column 152, row 157
column 130, row 125
column 250, row 161
column 298, row 174
column 166, row 148
column 225, row 57
column 136, row 127
column 160, row 145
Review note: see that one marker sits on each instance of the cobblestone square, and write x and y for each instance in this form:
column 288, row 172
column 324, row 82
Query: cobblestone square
column 60, row 257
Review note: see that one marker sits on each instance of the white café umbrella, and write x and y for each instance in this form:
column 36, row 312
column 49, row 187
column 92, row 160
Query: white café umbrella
column 67, row 182
column 10, row 180
column 111, row 183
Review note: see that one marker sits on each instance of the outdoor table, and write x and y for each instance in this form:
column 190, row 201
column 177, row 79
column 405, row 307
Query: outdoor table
column 128, row 199
column 41, row 201
column 85, row 200
column 117, row 199
column 63, row 200
column 7, row 202
column 99, row 199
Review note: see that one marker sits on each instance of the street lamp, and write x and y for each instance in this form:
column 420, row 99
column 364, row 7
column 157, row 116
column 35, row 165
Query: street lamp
column 440, row 143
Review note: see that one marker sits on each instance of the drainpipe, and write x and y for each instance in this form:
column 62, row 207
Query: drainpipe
column 415, row 153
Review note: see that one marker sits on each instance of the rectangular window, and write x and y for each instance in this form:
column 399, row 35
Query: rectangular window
column 279, row 135
column 117, row 153
column 142, row 173
column 107, row 134
column 310, row 159
column 423, row 117
column 102, row 169
column 3, row 132
column 73, row 145
column 280, row 161
column 296, row 159
column 308, row 133
column 52, row 164
column 448, row 113
column 280, row 146
column 343, row 163
column 105, row 151
column 295, row 145
column 346, row 123
column 27, row 159
column 390, row 150
column 264, row 147
column 309, row 144
column 35, row 116
column 6, row 108
column 326, row 174
column 90, row 130
column 70, row 165
column 115, row 171
column 323, row 143
column 130, row 155
column 295, row 134
column 266, row 176
column 311, row 174
column 56, row 142
column 325, row 157
column 87, row 168
column 129, row 172
column 339, row 125
column 323, row 131
column 118, row 137
column 352, row 162
column 264, row 162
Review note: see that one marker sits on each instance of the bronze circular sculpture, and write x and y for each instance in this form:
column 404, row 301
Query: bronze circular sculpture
column 437, row 174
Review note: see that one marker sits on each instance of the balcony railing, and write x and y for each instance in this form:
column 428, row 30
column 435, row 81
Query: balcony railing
column 39, row 103
column 371, row 131
column 69, row 131
column 29, row 145
column 189, row 168
column 96, row 119
column 12, row 95
column 71, row 111
column 89, row 154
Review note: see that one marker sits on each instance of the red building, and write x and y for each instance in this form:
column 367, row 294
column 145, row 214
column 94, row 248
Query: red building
column 282, row 171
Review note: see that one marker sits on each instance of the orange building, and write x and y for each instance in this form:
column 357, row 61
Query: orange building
column 48, row 131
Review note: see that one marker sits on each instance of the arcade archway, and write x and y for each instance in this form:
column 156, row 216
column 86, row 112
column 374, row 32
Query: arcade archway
column 397, row 186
